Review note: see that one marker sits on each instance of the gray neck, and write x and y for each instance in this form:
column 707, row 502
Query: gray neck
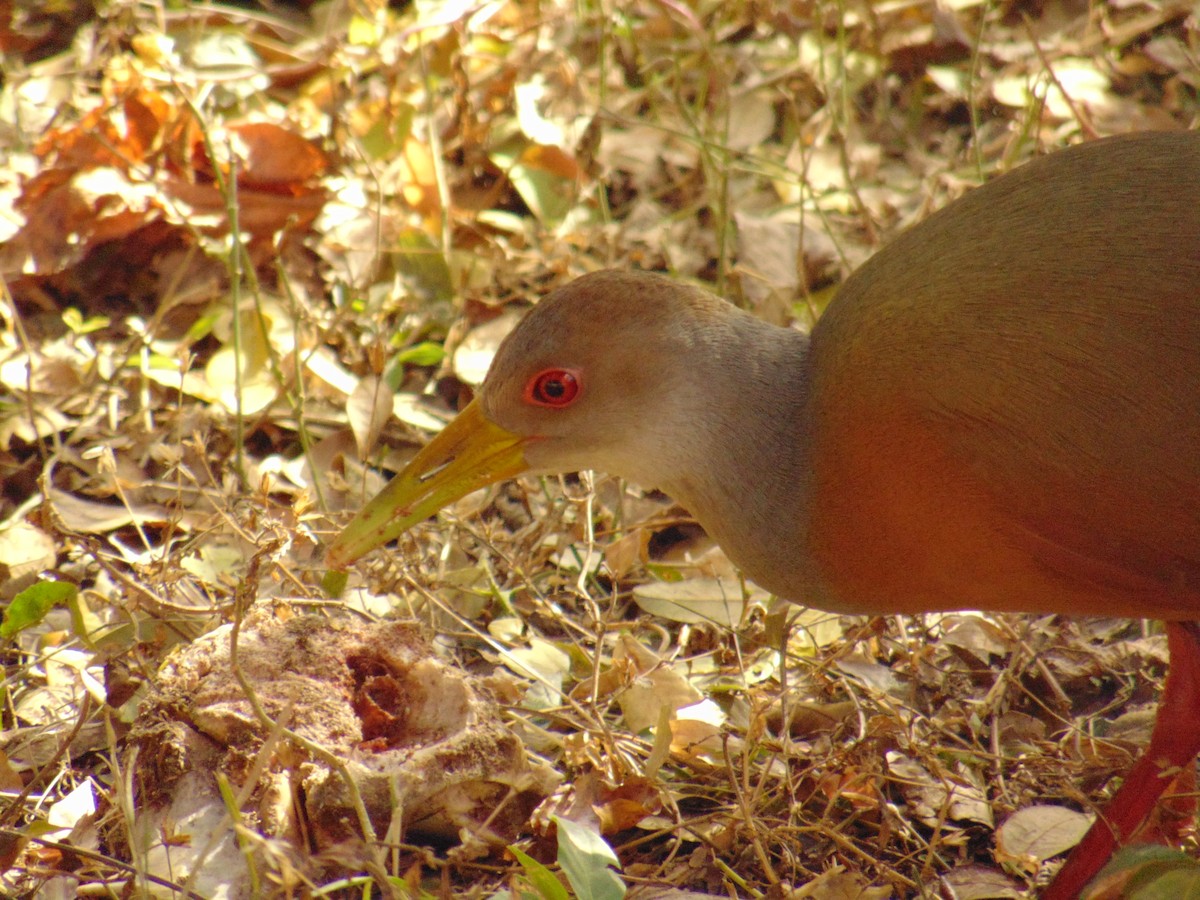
column 745, row 471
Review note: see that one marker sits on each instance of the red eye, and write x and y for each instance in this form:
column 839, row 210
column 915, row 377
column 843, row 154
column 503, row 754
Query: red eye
column 554, row 388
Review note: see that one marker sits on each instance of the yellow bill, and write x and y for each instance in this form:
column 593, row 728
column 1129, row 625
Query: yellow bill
column 466, row 455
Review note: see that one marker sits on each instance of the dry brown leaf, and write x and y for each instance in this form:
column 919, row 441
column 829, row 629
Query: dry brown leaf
column 697, row 600
column 1034, row 834
column 838, row 884
column 368, row 410
column 272, row 157
column 90, row 517
column 25, row 551
column 980, row 883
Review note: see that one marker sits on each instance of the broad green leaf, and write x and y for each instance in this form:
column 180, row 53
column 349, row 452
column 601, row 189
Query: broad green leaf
column 585, row 858
column 541, row 878
column 426, row 353
column 31, row 605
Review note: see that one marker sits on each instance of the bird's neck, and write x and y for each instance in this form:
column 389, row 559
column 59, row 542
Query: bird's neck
column 744, row 470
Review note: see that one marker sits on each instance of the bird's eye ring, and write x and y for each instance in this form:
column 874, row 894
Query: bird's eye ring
column 553, row 388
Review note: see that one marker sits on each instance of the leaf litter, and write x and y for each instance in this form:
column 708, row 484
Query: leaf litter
column 251, row 258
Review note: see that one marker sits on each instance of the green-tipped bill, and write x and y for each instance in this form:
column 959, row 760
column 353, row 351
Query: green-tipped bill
column 468, row 454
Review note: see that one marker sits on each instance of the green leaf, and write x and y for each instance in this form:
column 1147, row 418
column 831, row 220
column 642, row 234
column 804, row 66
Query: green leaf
column 1179, row 884
column 423, row 265
column 1151, row 871
column 87, row 625
column 426, row 353
column 549, row 196
column 541, row 878
column 585, row 858
column 74, row 320
column 31, row 605
column 385, row 138
column 334, row 583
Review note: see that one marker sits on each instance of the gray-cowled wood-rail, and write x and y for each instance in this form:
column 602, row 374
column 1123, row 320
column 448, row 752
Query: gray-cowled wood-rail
column 1000, row 410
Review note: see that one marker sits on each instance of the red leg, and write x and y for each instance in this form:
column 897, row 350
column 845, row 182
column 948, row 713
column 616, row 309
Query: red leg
column 1174, row 743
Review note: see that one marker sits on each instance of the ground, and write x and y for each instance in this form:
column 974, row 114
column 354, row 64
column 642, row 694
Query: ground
column 252, row 257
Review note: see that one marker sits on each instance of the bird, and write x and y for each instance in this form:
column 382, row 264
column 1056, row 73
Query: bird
column 999, row 410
